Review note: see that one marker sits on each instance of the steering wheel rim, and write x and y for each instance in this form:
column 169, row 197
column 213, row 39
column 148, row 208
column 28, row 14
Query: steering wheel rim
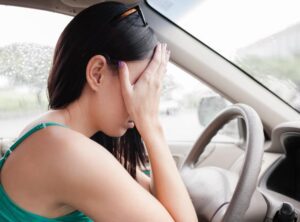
column 246, row 185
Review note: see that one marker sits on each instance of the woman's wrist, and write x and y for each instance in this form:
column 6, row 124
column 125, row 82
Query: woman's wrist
column 149, row 127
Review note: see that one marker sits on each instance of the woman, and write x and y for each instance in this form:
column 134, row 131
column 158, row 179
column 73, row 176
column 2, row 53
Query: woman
column 105, row 84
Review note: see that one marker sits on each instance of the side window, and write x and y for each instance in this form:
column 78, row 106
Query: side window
column 28, row 38
column 187, row 106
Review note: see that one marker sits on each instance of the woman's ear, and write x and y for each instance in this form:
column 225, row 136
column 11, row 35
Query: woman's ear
column 95, row 71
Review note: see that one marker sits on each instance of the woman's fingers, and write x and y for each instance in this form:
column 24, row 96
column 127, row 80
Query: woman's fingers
column 142, row 98
column 164, row 62
column 126, row 86
column 165, row 55
column 157, row 67
column 155, row 70
column 155, row 62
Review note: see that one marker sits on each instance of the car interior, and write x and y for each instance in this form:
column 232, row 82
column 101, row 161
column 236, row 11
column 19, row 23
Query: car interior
column 255, row 177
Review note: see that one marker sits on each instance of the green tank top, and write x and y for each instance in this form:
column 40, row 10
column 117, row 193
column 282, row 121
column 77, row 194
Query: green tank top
column 11, row 212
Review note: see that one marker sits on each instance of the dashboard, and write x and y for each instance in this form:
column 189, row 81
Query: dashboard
column 280, row 181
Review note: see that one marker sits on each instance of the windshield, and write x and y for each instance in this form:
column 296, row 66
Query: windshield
column 262, row 37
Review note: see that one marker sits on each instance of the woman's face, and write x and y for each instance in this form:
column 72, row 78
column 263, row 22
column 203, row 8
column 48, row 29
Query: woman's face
column 112, row 117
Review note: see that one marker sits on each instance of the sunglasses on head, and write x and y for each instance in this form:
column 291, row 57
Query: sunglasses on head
column 128, row 12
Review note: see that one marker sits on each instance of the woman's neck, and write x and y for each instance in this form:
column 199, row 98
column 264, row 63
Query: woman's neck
column 76, row 117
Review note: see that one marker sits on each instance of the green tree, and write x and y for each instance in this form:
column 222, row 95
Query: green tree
column 280, row 67
column 26, row 64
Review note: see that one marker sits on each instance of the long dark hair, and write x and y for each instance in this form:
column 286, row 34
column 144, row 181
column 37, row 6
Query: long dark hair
column 96, row 31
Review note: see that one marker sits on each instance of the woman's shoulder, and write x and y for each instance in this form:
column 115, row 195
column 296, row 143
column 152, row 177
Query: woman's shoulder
column 60, row 140
column 62, row 154
column 55, row 158
column 54, row 133
column 53, row 147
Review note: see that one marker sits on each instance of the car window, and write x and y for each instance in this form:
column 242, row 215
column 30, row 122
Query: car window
column 26, row 53
column 27, row 42
column 259, row 36
column 187, row 106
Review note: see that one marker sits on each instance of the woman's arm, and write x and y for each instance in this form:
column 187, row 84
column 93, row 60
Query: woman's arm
column 168, row 186
column 87, row 177
column 144, row 180
column 142, row 103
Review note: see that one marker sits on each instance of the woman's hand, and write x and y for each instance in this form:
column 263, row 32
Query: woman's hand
column 142, row 103
column 142, row 98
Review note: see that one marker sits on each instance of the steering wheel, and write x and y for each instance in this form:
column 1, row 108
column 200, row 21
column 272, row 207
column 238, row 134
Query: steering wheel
column 218, row 194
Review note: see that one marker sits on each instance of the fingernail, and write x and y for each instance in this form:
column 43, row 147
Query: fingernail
column 120, row 64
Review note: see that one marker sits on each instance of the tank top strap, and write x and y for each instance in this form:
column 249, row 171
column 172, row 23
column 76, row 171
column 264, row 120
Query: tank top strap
column 26, row 135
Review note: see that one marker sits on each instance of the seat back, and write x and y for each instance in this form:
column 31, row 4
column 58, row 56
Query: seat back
column 4, row 145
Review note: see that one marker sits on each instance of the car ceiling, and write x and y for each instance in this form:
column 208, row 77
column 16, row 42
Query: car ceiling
column 69, row 7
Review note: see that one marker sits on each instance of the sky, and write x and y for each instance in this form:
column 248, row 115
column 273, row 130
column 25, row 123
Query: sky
column 29, row 25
